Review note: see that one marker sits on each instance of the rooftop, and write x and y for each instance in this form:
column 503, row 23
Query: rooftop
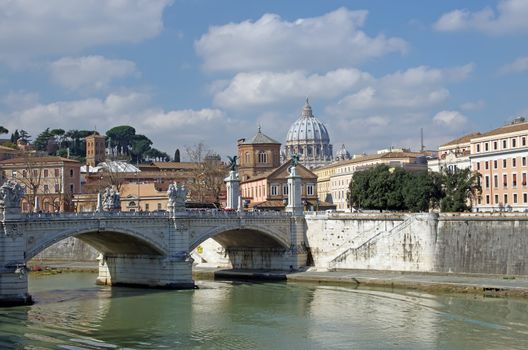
column 47, row 159
column 260, row 138
column 463, row 139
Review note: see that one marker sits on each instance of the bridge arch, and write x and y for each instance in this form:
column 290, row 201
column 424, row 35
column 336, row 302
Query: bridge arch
column 234, row 232
column 108, row 241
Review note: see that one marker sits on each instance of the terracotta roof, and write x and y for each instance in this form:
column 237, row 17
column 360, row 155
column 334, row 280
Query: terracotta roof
column 174, row 165
column 8, row 149
column 506, row 129
column 463, row 139
column 48, row 159
column 280, row 168
column 260, row 138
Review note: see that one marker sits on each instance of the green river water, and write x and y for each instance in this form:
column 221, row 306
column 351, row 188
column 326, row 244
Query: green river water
column 72, row 313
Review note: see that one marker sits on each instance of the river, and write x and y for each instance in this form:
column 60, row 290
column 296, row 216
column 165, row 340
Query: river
column 72, row 313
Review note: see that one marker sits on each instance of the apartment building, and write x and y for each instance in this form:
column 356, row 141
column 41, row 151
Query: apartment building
column 500, row 156
column 50, row 182
column 453, row 155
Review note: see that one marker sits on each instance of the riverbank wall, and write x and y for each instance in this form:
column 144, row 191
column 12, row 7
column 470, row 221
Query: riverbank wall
column 483, row 243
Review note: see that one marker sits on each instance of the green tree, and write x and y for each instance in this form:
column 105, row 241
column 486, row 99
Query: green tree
column 140, row 144
column 3, row 130
column 121, row 136
column 177, row 156
column 41, row 142
column 460, row 187
column 15, row 136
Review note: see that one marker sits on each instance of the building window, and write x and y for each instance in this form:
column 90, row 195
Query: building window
column 147, row 207
column 56, row 188
column 285, row 189
column 504, row 163
column 496, row 199
column 504, row 144
column 514, row 162
column 262, row 157
column 486, row 146
column 514, row 180
column 524, row 161
column 35, row 173
column 523, row 141
column 274, row 190
column 159, row 206
column 515, row 198
column 505, row 180
column 487, row 181
column 505, row 199
column 309, row 190
column 486, row 165
column 525, row 197
column 46, row 173
column 524, row 179
column 487, row 199
column 57, row 172
column 478, row 148
column 24, row 174
column 71, row 172
column 495, row 166
column 495, row 181
column 478, row 165
column 72, row 188
column 247, row 158
column 495, row 145
column 514, row 144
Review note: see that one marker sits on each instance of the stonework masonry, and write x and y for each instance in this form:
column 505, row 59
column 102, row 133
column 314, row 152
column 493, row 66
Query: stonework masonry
column 460, row 243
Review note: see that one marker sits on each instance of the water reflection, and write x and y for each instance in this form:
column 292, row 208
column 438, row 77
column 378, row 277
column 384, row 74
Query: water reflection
column 72, row 313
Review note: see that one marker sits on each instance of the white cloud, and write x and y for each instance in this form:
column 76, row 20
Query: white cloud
column 520, row 65
column 168, row 129
column 327, row 42
column 450, row 119
column 89, row 72
column 509, row 18
column 33, row 27
column 415, row 88
column 266, row 88
column 20, row 100
column 473, row 105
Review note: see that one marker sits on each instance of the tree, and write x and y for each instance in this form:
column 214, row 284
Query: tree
column 177, row 156
column 3, row 130
column 140, row 144
column 41, row 142
column 384, row 188
column 460, row 186
column 208, row 174
column 15, row 136
column 156, row 154
column 31, row 177
column 24, row 136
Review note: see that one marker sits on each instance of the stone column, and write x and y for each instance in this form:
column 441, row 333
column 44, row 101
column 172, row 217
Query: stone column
column 13, row 277
column 233, row 190
column 295, row 205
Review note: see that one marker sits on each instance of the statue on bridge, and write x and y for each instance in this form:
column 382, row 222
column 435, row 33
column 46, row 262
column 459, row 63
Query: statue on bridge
column 111, row 200
column 11, row 194
column 294, row 162
column 232, row 163
column 177, row 194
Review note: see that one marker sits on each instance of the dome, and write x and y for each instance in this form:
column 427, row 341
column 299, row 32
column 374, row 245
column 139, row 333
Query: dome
column 308, row 128
column 342, row 154
column 308, row 137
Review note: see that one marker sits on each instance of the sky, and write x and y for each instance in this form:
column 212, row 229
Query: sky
column 188, row 71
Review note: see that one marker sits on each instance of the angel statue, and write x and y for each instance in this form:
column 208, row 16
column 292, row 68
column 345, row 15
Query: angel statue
column 295, row 159
column 232, row 163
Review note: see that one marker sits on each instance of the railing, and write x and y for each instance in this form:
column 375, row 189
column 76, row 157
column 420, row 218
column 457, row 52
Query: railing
column 208, row 213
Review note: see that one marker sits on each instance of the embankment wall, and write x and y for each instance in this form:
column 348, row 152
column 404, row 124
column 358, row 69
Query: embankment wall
column 487, row 243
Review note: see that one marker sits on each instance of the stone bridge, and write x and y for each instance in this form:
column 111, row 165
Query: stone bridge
column 150, row 249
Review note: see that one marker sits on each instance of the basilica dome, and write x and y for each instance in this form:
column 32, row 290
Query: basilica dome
column 309, row 138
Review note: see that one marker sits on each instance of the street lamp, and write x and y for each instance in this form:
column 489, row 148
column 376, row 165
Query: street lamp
column 138, row 191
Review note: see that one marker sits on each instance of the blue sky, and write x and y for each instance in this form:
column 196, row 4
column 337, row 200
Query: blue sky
column 186, row 71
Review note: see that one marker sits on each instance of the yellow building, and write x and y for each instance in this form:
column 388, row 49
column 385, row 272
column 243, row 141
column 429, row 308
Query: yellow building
column 500, row 156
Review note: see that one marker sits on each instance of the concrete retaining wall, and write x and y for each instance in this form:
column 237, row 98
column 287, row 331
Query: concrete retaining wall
column 463, row 243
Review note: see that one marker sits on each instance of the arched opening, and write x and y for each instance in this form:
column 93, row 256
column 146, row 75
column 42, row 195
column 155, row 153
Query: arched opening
column 240, row 248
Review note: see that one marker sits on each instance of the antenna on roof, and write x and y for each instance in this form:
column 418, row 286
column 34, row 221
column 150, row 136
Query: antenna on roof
column 422, row 147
